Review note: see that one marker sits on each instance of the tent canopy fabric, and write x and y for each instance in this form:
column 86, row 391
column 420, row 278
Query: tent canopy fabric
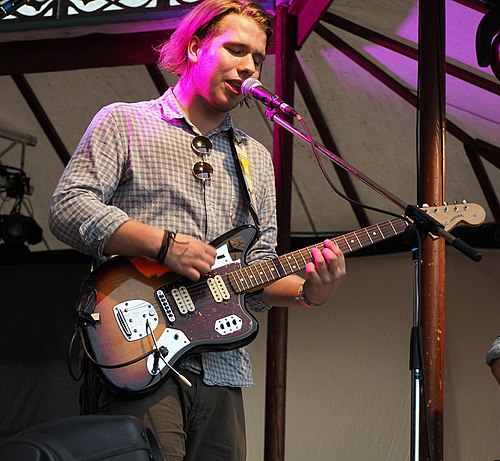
column 374, row 128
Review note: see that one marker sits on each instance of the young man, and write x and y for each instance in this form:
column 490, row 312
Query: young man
column 132, row 177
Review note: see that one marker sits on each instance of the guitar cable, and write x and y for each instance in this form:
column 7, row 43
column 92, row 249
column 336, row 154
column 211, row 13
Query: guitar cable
column 79, row 333
column 159, row 353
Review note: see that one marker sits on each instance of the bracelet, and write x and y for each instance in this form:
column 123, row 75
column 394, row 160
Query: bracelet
column 302, row 298
column 165, row 243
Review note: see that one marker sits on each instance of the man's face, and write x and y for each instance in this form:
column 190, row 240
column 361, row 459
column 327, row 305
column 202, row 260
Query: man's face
column 227, row 58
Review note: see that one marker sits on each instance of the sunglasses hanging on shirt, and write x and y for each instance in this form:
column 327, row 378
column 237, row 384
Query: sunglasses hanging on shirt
column 202, row 147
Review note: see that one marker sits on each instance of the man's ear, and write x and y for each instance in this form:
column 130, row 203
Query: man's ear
column 193, row 48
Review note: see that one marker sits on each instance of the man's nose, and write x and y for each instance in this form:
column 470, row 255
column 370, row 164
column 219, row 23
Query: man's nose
column 247, row 65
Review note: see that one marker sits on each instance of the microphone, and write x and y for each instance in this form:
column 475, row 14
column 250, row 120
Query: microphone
column 253, row 88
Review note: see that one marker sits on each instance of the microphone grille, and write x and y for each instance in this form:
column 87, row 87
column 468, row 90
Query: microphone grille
column 248, row 84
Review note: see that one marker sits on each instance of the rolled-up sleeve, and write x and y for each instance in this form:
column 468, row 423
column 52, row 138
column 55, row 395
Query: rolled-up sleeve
column 81, row 212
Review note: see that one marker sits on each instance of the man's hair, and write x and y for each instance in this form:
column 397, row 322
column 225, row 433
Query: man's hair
column 202, row 21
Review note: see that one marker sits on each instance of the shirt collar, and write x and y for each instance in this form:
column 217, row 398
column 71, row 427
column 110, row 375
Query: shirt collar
column 172, row 112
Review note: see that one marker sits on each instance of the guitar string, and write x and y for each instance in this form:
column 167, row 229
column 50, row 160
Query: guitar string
column 247, row 277
column 251, row 274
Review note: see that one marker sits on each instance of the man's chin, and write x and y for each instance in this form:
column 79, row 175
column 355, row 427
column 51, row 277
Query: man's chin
column 228, row 105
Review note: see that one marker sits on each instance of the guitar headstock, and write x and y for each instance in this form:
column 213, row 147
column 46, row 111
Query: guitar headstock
column 450, row 215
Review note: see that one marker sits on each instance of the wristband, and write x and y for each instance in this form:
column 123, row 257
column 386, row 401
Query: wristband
column 302, row 298
column 165, row 243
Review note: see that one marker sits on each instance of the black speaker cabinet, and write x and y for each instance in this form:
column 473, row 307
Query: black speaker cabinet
column 84, row 438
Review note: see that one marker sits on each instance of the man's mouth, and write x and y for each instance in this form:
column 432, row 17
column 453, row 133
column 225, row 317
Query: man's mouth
column 235, row 85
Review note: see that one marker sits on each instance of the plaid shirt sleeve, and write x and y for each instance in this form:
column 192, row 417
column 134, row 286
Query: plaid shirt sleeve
column 81, row 214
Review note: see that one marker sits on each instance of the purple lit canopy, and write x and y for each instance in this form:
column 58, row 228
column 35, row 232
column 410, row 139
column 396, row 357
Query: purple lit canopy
column 374, row 128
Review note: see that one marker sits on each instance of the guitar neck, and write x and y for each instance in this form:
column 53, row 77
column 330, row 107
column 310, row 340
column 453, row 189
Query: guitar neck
column 255, row 276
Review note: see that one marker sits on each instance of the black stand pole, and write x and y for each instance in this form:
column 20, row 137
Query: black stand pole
column 416, row 359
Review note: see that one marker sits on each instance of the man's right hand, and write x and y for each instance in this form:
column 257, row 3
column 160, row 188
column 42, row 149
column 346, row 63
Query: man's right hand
column 190, row 257
column 186, row 255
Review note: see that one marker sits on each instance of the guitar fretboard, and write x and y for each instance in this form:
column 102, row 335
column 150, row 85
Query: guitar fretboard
column 261, row 274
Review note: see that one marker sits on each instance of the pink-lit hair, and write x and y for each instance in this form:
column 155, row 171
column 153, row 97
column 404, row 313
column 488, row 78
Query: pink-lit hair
column 202, row 21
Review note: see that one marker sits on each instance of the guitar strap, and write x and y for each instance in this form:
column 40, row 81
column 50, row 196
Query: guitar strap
column 244, row 172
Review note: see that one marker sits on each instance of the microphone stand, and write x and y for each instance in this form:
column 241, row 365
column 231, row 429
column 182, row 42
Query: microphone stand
column 424, row 224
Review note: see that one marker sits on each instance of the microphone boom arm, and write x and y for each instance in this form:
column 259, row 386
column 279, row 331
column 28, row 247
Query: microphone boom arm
column 422, row 220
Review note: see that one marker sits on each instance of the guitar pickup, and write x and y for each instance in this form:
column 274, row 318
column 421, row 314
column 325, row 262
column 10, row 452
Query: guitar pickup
column 218, row 289
column 183, row 300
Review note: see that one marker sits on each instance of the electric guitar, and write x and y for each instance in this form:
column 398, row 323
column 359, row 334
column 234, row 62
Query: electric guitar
column 139, row 319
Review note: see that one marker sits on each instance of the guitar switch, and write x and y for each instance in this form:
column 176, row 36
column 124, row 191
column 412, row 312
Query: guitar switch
column 228, row 325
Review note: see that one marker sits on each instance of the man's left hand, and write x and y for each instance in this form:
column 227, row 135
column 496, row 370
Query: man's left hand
column 325, row 273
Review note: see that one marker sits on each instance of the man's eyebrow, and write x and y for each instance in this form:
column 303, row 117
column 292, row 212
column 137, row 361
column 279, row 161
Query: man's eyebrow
column 247, row 48
column 259, row 55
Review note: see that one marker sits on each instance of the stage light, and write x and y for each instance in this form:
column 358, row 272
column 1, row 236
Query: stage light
column 488, row 39
column 18, row 229
column 495, row 56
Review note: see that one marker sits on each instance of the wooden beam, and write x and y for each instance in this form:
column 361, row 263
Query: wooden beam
column 474, row 152
column 412, row 99
column 308, row 15
column 157, row 78
column 477, row 5
column 366, row 64
column 408, row 51
column 329, row 142
column 42, row 117
column 431, row 187
column 89, row 51
column 277, row 335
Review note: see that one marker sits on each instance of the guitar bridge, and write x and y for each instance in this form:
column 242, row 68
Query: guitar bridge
column 136, row 318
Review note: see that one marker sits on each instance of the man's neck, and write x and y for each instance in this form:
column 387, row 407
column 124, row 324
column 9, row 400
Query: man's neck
column 199, row 113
